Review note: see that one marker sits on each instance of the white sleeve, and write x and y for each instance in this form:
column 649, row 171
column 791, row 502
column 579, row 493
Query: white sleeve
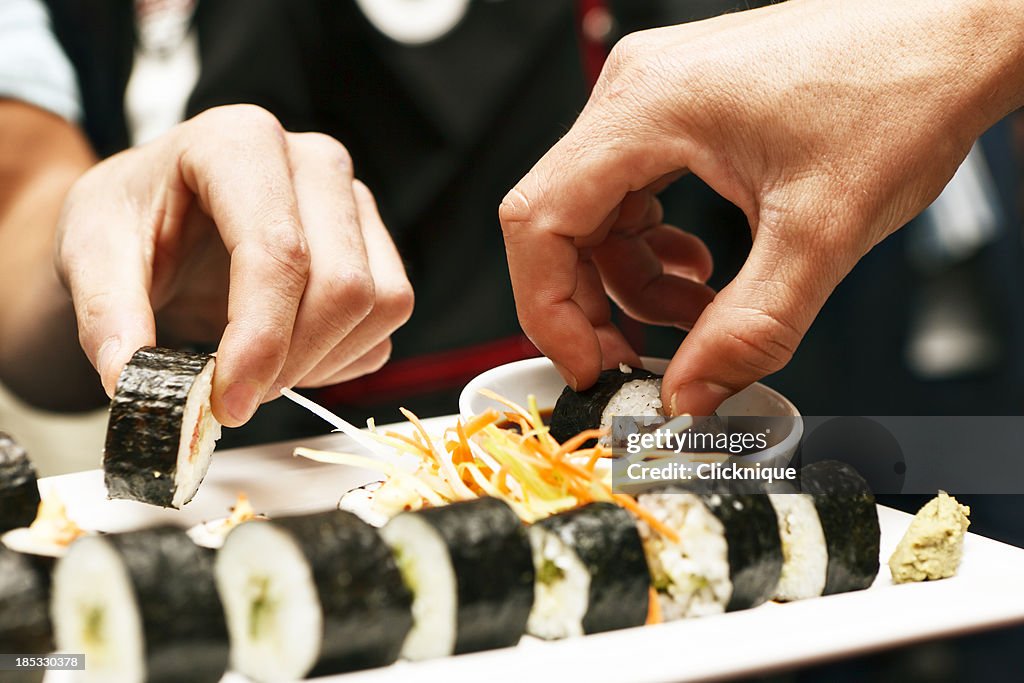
column 33, row 67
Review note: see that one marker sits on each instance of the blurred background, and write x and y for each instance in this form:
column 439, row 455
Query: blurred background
column 444, row 104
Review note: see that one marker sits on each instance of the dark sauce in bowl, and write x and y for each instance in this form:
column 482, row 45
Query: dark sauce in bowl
column 545, row 415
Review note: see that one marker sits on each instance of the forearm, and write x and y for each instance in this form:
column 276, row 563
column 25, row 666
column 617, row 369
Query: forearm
column 40, row 358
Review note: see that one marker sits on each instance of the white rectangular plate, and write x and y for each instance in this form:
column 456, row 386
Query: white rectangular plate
column 986, row 592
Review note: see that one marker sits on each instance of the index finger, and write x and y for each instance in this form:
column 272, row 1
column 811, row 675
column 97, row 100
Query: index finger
column 572, row 193
column 237, row 165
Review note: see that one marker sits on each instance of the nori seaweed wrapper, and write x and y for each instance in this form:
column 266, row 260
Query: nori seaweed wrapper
column 755, row 548
column 19, row 492
column 186, row 636
column 577, row 411
column 751, row 527
column 144, row 429
column 24, row 611
column 605, row 539
column 493, row 562
column 367, row 608
column 849, row 518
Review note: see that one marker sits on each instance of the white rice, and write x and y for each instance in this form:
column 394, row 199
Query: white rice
column 193, row 462
column 637, row 398
column 559, row 605
column 94, row 612
column 692, row 576
column 273, row 611
column 804, row 553
column 423, row 559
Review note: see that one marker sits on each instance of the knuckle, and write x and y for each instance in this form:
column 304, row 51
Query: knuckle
column 365, row 199
column 626, row 52
column 89, row 310
column 514, row 212
column 269, row 344
column 379, row 356
column 245, row 117
column 766, row 342
column 288, row 250
column 362, row 191
column 349, row 294
column 328, row 150
column 397, row 303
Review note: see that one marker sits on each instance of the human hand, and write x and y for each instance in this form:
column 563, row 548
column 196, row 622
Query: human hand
column 829, row 123
column 230, row 228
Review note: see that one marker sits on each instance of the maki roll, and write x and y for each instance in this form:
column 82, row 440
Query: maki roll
column 19, row 492
column 849, row 520
column 314, row 594
column 142, row 606
column 591, row 572
column 625, row 391
column 805, row 555
column 41, row 563
column 24, row 620
column 161, row 431
column 470, row 569
column 727, row 555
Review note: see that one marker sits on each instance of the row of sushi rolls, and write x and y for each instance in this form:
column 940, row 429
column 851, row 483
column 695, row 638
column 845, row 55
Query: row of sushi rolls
column 501, row 531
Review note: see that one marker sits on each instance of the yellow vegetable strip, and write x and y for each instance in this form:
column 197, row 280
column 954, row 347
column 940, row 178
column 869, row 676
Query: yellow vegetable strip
column 443, row 459
column 575, row 442
column 515, row 407
column 416, row 446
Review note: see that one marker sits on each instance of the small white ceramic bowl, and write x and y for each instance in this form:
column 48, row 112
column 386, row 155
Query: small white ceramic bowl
column 537, row 376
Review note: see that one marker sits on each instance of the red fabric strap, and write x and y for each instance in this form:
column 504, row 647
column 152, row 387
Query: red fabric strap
column 429, row 372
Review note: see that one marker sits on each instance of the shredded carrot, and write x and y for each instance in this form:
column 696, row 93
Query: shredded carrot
column 653, row 607
column 416, row 445
column 652, row 521
column 460, row 449
column 519, row 462
column 575, row 442
column 480, row 421
column 420, row 429
column 595, row 455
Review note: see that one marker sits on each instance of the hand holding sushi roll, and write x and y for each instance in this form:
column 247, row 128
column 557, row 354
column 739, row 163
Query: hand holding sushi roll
column 829, row 123
column 228, row 227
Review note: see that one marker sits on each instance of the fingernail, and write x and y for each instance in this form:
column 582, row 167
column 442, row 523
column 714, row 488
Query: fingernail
column 105, row 359
column 570, row 378
column 698, row 398
column 241, row 400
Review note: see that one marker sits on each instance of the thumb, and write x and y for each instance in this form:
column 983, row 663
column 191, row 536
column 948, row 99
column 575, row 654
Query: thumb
column 751, row 329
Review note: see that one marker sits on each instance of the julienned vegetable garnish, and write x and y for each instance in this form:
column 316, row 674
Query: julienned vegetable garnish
column 524, row 466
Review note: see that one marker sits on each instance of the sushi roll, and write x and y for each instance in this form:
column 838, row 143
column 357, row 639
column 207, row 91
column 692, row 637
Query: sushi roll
column 804, row 552
column 728, row 555
column 161, row 431
column 591, row 573
column 470, row 569
column 19, row 491
column 316, row 594
column 625, row 391
column 25, row 620
column 42, row 560
column 849, row 521
column 142, row 606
